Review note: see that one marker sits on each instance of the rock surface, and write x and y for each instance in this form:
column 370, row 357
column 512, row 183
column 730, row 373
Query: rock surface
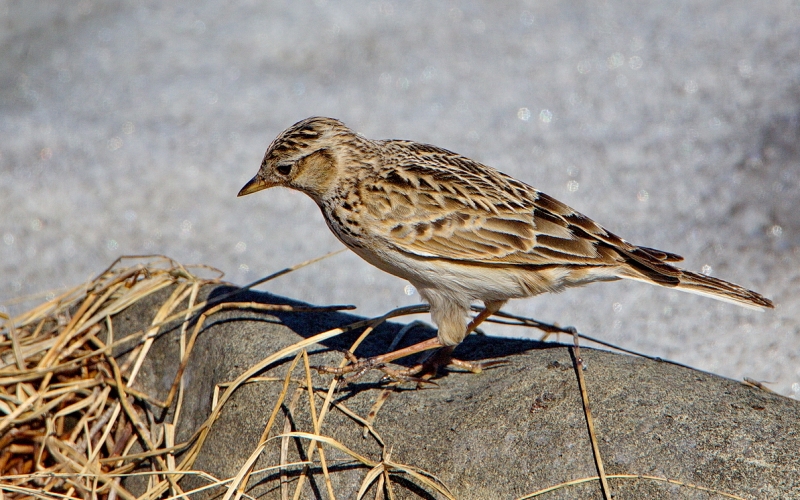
column 509, row 431
column 128, row 128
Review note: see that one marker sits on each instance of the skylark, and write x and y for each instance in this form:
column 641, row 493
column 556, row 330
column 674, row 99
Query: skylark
column 458, row 230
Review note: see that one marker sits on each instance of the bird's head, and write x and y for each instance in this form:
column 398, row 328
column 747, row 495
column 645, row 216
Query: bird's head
column 303, row 157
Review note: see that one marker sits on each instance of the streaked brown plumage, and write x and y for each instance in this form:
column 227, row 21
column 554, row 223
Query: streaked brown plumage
column 458, row 230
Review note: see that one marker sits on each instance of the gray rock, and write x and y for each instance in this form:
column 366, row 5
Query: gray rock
column 509, row 431
column 128, row 127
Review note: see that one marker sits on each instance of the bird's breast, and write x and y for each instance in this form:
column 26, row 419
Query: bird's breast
column 345, row 221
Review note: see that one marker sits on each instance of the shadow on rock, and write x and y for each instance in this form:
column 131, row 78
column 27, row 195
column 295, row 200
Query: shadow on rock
column 475, row 347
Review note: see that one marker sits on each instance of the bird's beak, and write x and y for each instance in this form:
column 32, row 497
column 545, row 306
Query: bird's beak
column 255, row 184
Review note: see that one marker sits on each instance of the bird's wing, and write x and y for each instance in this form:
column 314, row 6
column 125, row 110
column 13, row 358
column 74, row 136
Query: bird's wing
column 444, row 206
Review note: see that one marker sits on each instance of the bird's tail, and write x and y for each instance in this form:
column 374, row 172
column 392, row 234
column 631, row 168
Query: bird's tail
column 722, row 290
column 644, row 265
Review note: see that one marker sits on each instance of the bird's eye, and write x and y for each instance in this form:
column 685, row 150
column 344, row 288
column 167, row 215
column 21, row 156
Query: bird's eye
column 284, row 169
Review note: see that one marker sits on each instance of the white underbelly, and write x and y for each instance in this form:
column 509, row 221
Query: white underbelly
column 452, row 278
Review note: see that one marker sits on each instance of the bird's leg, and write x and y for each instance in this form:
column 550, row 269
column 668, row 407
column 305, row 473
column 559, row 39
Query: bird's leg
column 380, row 360
column 441, row 358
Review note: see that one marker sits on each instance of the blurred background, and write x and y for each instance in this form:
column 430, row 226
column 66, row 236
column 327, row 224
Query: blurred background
column 129, row 127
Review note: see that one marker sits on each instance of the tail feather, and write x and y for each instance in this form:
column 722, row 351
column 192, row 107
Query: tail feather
column 662, row 255
column 722, row 290
column 700, row 284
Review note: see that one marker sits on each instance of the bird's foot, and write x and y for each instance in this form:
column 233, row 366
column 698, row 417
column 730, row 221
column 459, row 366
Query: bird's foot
column 474, row 367
column 425, row 371
column 360, row 366
column 421, row 373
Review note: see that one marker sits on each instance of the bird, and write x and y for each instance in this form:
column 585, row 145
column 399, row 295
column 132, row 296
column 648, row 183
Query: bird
column 459, row 231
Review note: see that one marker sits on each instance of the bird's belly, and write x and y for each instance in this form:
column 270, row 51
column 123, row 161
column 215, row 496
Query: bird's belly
column 459, row 280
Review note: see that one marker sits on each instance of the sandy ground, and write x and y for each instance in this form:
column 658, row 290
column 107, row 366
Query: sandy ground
column 128, row 128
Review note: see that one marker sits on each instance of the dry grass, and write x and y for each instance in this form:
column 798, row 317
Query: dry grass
column 73, row 426
column 70, row 414
column 71, row 419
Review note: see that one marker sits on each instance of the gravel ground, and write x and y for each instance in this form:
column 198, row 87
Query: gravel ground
column 128, row 128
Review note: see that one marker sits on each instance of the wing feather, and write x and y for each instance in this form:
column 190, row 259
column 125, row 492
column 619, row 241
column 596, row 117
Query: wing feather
column 454, row 208
column 474, row 213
